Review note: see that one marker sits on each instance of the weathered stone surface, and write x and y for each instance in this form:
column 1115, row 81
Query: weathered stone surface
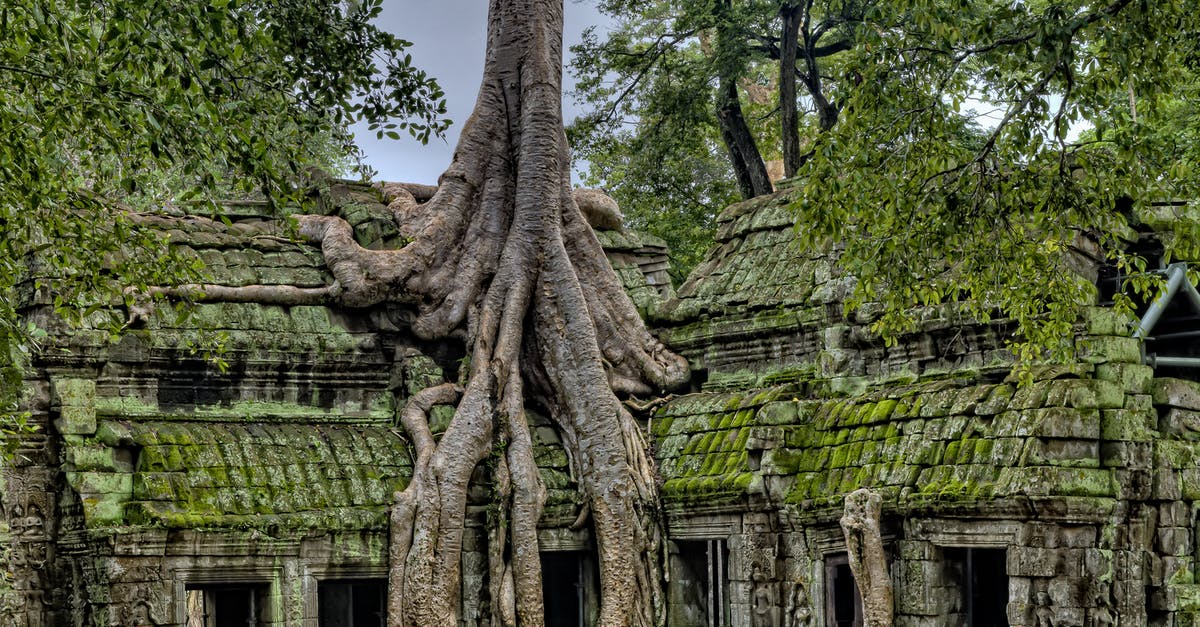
column 1176, row 393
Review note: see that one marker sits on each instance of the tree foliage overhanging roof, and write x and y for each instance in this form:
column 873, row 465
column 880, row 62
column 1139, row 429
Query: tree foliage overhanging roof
column 972, row 141
column 149, row 102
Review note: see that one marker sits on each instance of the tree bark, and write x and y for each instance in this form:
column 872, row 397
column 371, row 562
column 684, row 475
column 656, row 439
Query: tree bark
column 868, row 561
column 827, row 112
column 789, row 117
column 747, row 161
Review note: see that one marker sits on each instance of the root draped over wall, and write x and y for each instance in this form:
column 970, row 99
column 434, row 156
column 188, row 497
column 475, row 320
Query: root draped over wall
column 501, row 255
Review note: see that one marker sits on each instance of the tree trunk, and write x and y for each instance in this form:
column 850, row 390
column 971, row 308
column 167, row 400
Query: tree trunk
column 500, row 254
column 789, row 117
column 748, row 166
column 868, row 561
column 827, row 112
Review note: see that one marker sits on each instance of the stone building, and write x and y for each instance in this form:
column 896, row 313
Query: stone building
column 161, row 490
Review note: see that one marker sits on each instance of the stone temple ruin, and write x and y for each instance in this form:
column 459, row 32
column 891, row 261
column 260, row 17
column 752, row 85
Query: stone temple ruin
column 161, row 491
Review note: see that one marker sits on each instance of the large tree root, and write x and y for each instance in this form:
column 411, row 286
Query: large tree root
column 500, row 254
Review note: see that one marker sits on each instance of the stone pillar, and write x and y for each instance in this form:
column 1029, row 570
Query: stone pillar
column 754, row 574
column 29, row 520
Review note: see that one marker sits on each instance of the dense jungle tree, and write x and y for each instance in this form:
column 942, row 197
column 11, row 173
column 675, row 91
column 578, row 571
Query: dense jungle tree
column 693, row 100
column 106, row 106
column 942, row 143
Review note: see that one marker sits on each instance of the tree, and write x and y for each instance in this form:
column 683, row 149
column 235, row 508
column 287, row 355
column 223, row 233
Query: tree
column 501, row 256
column 710, row 84
column 670, row 176
column 546, row 323
column 929, row 215
column 943, row 149
column 106, row 106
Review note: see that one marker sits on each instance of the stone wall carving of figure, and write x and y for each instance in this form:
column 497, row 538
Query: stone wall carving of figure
column 1102, row 615
column 762, row 601
column 799, row 613
column 1043, row 615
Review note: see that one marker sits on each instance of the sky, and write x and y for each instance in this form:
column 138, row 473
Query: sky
column 448, row 43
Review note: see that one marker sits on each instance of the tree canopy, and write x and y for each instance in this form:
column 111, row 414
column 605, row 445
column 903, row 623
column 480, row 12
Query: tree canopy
column 106, row 106
column 954, row 149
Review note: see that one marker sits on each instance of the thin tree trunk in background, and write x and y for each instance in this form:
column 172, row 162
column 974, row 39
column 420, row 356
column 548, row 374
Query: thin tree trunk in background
column 748, row 165
column 789, row 117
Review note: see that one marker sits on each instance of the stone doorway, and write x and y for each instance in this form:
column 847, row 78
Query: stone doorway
column 352, row 603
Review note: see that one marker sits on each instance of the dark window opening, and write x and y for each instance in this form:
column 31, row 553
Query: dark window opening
column 843, row 605
column 982, row 583
column 569, row 591
column 700, row 584
column 352, row 603
column 225, row 605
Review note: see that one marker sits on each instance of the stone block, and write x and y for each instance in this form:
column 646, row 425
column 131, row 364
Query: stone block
column 1183, row 423
column 1177, row 569
column 997, row 401
column 1131, row 378
column 1059, row 481
column 84, row 457
column 114, row 433
column 1176, row 393
column 1067, row 593
column 1092, row 394
column 1127, row 425
column 1065, row 423
column 1139, row 402
column 1166, row 485
column 1059, row 452
column 103, row 510
column 1023, row 561
column 1129, row 593
column 1174, row 541
column 1134, row 484
column 1108, row 349
column 1030, row 396
column 1105, row 321
column 75, row 401
column 777, row 413
column 1175, row 454
column 1097, row 561
column 1069, row 616
column 1190, row 484
column 101, row 482
column 1018, row 613
column 916, row 588
column 1174, row 514
column 1079, row 537
column 1122, row 454
column 1187, row 597
column 70, row 392
column 915, row 550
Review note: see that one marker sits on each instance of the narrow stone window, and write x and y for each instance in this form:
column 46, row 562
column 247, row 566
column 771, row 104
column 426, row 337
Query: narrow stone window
column 843, row 605
column 980, row 582
column 563, row 589
column 699, row 591
column 352, row 603
column 225, row 605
